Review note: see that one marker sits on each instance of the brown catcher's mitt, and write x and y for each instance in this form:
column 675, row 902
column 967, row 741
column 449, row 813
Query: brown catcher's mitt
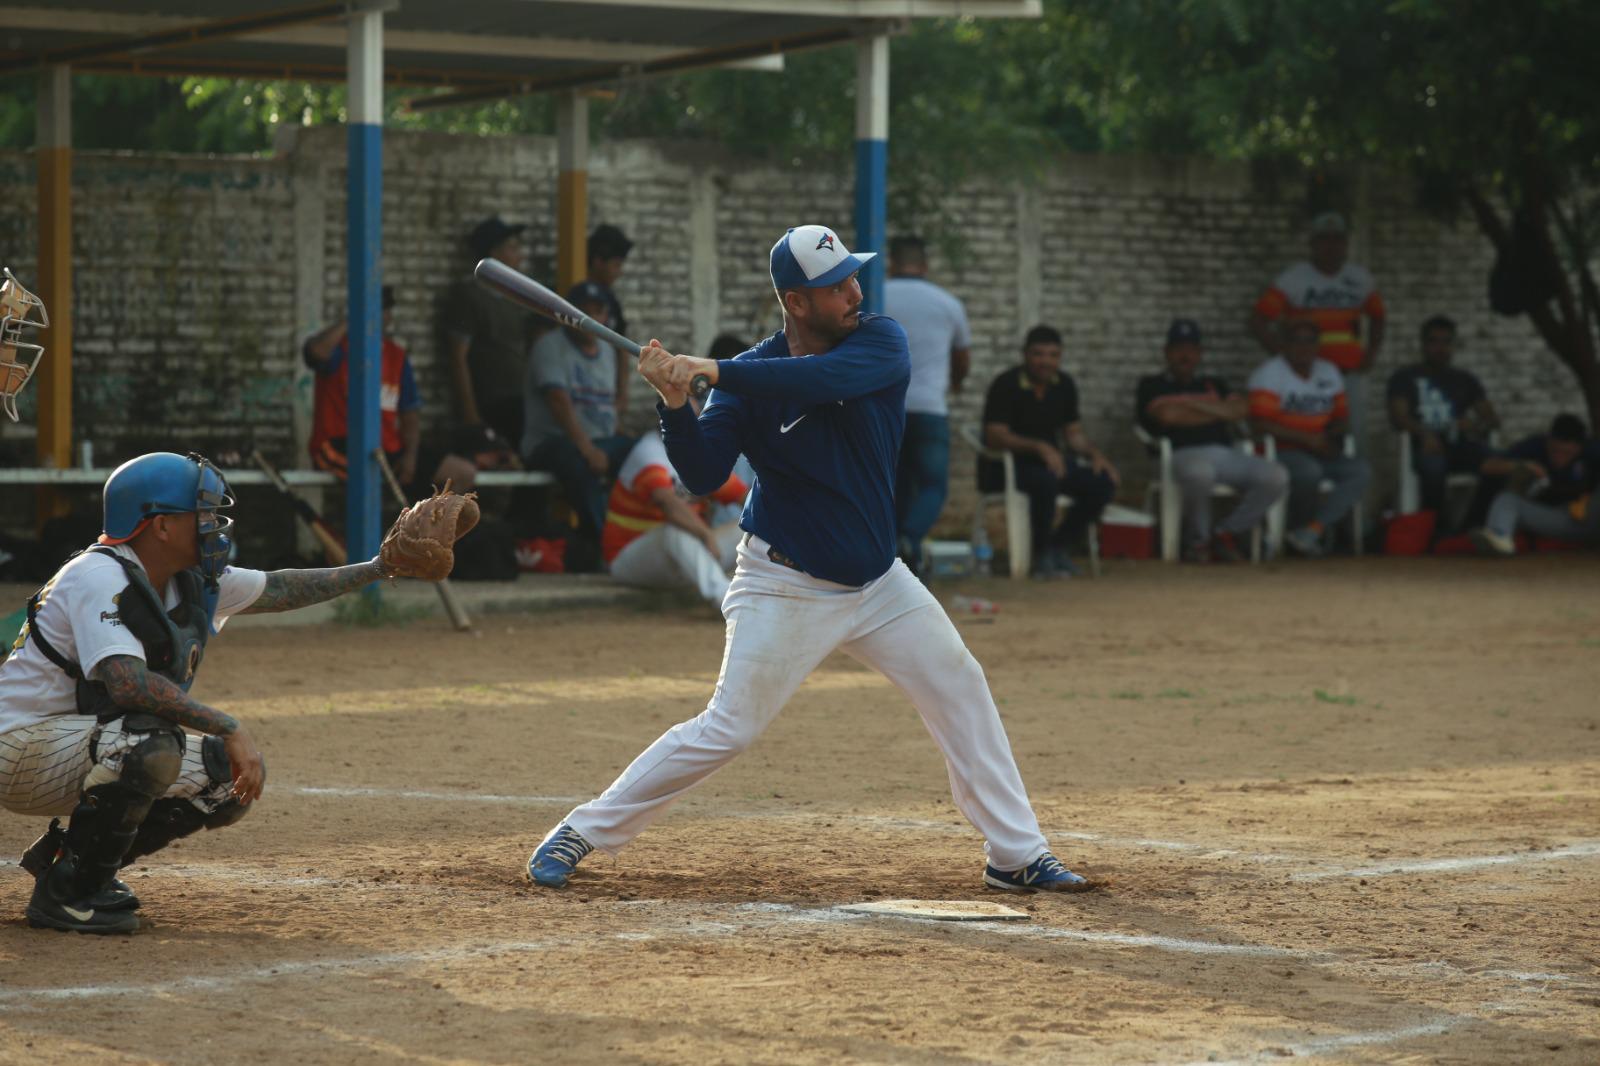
column 421, row 543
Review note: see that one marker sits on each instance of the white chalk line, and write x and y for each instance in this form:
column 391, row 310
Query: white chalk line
column 1583, row 850
column 1323, row 1045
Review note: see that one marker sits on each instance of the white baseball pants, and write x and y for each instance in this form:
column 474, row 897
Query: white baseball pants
column 781, row 624
column 669, row 557
column 43, row 766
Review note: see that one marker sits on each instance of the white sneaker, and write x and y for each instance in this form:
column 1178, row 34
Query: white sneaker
column 1489, row 542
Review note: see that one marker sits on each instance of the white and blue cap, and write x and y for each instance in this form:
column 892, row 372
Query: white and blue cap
column 812, row 257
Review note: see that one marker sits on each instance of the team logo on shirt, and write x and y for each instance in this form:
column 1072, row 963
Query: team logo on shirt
column 826, row 242
column 113, row 617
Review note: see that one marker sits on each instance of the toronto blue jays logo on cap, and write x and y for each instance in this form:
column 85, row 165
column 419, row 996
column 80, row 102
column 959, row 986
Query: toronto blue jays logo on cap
column 813, row 257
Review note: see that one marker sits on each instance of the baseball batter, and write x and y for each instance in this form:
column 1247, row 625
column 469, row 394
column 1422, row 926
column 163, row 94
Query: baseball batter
column 94, row 696
column 819, row 410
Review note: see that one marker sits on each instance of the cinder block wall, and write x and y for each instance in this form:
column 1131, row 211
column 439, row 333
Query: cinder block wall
column 197, row 276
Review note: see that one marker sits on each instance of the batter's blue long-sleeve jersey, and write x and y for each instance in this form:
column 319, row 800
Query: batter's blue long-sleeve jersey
column 823, row 434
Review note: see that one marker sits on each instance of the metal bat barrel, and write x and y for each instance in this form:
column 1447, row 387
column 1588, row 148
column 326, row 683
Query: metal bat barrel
column 519, row 288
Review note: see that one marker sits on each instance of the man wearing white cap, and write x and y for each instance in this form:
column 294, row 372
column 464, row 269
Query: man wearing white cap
column 819, row 410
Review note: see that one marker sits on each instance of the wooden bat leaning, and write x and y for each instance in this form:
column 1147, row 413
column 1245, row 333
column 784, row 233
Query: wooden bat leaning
column 332, row 546
column 519, row 288
column 447, row 595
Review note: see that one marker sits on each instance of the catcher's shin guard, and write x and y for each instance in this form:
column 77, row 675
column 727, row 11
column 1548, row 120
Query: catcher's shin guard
column 107, row 818
column 174, row 818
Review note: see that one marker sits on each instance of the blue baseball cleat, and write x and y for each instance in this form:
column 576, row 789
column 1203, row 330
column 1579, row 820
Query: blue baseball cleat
column 557, row 856
column 1044, row 874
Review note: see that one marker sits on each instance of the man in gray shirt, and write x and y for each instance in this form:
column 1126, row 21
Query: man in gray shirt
column 941, row 341
column 570, row 416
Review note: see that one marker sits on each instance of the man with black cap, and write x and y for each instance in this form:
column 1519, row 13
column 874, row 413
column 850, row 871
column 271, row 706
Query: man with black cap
column 487, row 338
column 569, row 396
column 608, row 253
column 1195, row 412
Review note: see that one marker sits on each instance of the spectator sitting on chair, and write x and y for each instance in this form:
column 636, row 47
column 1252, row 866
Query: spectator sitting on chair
column 571, row 417
column 1299, row 400
column 658, row 537
column 1195, row 412
column 1550, row 483
column 941, row 341
column 399, row 404
column 1445, row 411
column 608, row 253
column 487, row 339
column 1032, row 411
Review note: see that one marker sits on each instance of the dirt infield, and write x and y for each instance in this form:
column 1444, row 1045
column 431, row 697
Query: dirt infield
column 1347, row 811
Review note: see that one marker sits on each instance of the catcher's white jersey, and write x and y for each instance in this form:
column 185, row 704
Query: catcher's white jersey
column 79, row 617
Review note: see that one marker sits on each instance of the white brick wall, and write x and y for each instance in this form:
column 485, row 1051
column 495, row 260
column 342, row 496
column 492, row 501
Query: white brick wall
column 196, row 276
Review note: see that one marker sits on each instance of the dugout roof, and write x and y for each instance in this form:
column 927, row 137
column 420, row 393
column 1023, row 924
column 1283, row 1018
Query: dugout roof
column 487, row 48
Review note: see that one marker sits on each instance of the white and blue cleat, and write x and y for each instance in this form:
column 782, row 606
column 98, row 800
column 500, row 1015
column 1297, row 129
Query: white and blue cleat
column 557, row 856
column 1044, row 874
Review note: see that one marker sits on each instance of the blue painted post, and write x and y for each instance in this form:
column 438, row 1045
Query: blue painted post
column 872, row 163
column 364, row 236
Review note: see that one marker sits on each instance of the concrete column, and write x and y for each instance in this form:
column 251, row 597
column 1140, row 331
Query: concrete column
column 705, row 287
column 364, row 237
column 308, row 170
column 572, row 192
column 872, row 163
column 1030, row 260
column 53, row 379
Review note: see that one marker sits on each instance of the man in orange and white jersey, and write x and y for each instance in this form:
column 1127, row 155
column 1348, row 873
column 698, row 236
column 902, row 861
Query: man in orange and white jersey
column 1299, row 400
column 656, row 537
column 1334, row 294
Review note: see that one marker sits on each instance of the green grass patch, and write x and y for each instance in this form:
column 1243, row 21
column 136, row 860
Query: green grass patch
column 1324, row 696
column 373, row 612
column 1175, row 694
column 1127, row 694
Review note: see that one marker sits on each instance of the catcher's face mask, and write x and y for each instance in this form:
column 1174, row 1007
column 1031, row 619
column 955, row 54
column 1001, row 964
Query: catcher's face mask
column 211, row 496
column 18, row 359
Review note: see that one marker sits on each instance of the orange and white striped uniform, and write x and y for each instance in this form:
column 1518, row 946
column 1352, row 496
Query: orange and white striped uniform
column 1335, row 304
column 631, row 513
column 1278, row 394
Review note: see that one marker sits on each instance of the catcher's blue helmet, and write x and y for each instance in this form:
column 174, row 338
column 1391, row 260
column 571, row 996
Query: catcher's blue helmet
column 168, row 483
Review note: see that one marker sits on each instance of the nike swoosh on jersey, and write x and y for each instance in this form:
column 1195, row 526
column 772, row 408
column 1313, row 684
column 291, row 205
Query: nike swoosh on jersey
column 791, row 425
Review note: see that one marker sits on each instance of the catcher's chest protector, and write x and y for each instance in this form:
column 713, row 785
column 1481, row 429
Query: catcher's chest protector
column 174, row 641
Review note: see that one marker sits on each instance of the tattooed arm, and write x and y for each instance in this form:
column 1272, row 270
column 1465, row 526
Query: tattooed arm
column 288, row 589
column 134, row 688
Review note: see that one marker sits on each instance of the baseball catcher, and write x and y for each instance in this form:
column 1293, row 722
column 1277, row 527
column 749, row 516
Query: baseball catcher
column 18, row 358
column 94, row 696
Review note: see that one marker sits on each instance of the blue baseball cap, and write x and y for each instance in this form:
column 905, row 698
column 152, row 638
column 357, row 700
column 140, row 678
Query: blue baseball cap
column 813, row 257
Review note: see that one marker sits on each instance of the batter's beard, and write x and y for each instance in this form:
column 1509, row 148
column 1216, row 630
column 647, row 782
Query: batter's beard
column 837, row 332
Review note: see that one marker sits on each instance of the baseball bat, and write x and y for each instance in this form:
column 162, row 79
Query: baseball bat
column 447, row 595
column 332, row 547
column 519, row 288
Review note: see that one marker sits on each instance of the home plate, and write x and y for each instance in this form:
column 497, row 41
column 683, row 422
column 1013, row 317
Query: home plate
column 940, row 910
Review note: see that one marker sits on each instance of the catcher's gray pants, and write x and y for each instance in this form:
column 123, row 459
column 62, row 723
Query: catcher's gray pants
column 43, row 766
column 1201, row 467
column 781, row 624
column 1510, row 512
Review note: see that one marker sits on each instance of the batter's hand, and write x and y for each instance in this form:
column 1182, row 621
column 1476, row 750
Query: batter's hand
column 244, row 759
column 685, row 368
column 655, row 363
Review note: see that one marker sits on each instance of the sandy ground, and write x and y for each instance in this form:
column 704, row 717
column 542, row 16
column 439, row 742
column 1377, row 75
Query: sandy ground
column 1347, row 811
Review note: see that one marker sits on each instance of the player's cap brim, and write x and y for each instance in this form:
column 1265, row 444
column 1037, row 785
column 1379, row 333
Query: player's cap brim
column 847, row 266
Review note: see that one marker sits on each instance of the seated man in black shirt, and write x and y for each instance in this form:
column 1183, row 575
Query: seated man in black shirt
column 1550, row 486
column 1445, row 410
column 1195, row 411
column 1032, row 410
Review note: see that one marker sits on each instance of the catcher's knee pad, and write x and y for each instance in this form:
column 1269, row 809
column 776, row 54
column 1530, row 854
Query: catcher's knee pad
column 111, row 809
column 176, row 817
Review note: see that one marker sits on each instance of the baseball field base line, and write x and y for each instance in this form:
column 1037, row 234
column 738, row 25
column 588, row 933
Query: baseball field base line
column 1586, row 849
column 1325, row 1045
column 938, row 910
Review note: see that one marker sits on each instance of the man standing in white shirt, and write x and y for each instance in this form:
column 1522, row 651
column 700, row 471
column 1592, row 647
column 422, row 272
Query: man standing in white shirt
column 94, row 695
column 941, row 353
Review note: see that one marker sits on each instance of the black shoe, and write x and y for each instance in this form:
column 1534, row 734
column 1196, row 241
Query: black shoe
column 75, row 916
column 115, row 896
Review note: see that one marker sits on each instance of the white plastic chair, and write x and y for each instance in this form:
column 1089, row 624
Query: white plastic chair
column 1014, row 504
column 1411, row 486
column 1278, row 516
column 1165, row 492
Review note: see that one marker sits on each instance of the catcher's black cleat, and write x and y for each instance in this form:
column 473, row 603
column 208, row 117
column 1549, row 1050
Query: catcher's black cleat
column 115, row 896
column 75, row 916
